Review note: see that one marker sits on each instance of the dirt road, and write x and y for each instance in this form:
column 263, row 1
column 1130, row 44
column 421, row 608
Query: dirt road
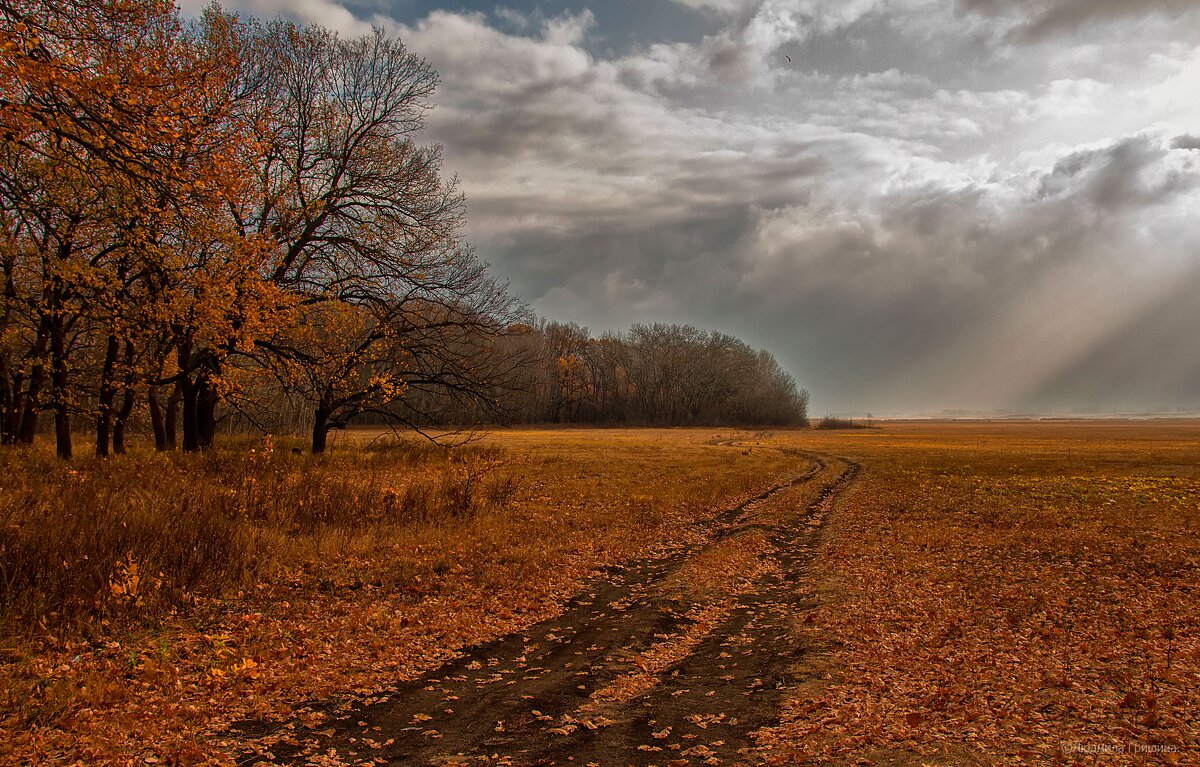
column 651, row 665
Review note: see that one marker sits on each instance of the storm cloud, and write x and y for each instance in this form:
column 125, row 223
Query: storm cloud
column 988, row 204
column 1040, row 18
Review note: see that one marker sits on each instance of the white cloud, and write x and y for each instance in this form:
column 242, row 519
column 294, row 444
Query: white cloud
column 1175, row 97
column 327, row 13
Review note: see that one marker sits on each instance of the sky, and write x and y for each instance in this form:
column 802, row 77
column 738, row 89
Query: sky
column 934, row 204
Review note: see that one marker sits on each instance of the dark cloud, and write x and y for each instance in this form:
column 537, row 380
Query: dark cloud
column 1040, row 18
column 730, row 62
column 1187, row 142
column 887, row 306
column 1128, row 175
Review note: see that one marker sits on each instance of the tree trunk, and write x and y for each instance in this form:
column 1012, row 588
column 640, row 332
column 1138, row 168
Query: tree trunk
column 126, row 410
column 31, row 410
column 191, row 439
column 320, row 433
column 108, row 392
column 58, row 389
column 118, row 435
column 199, row 399
column 189, row 390
column 206, row 412
column 156, row 421
column 128, row 399
column 53, row 319
column 199, row 413
column 10, row 404
column 171, row 422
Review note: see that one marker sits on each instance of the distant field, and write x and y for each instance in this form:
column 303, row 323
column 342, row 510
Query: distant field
column 1009, row 593
column 977, row 593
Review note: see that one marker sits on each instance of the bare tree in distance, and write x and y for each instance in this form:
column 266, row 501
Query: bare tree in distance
column 368, row 234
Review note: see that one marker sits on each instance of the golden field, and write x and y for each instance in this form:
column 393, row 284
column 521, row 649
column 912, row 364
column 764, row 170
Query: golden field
column 1008, row 593
column 986, row 593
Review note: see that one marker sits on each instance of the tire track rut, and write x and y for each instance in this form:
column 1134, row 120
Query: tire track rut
column 520, row 700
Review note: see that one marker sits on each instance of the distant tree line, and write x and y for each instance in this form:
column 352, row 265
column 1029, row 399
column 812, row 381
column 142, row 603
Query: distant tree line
column 658, row 374
column 231, row 221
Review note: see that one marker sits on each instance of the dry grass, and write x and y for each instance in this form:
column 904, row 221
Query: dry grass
column 991, row 594
column 1024, row 593
column 208, row 589
column 94, row 543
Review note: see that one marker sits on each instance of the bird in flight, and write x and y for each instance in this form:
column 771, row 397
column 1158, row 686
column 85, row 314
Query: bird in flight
column 789, row 58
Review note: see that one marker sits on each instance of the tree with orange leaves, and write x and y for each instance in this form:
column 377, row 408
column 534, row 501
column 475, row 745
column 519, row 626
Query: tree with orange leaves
column 185, row 205
column 121, row 149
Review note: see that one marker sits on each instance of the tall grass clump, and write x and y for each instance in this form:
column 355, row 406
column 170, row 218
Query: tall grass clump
column 96, row 543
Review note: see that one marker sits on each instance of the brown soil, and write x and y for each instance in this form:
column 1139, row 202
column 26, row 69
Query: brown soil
column 637, row 670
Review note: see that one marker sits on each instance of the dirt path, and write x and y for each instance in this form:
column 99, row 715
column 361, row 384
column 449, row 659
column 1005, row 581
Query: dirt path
column 639, row 669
